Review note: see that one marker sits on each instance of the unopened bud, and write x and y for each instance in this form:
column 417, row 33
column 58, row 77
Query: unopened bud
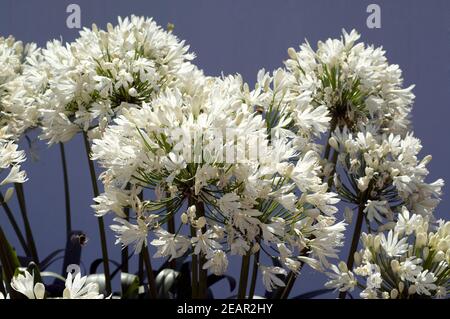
column 412, row 290
column 292, row 54
column 201, row 222
column 333, row 143
column 184, row 218
column 394, row 293
column 395, row 265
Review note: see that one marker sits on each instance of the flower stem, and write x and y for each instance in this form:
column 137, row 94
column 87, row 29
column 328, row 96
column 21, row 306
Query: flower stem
column 150, row 276
column 171, row 229
column 203, row 273
column 356, row 236
column 124, row 253
column 101, row 224
column 251, row 292
column 26, row 222
column 243, row 279
column 14, row 225
column 66, row 190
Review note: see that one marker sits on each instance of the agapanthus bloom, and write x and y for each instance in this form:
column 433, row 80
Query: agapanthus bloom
column 104, row 71
column 244, row 186
column 386, row 168
column 354, row 81
column 406, row 263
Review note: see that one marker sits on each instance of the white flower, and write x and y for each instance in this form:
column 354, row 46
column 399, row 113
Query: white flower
column 375, row 210
column 392, row 245
column 77, row 287
column 2, row 296
column 103, row 72
column 270, row 277
column 128, row 233
column 205, row 242
column 341, row 278
column 217, row 261
column 24, row 283
column 425, row 283
column 169, row 244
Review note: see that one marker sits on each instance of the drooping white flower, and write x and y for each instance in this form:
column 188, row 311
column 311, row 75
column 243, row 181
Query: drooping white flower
column 270, row 277
column 24, row 283
column 217, row 262
column 77, row 287
column 169, row 244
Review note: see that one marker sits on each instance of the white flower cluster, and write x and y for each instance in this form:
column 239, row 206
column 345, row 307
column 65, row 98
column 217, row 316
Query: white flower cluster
column 104, row 71
column 385, row 168
column 412, row 261
column 238, row 204
column 19, row 82
column 354, row 81
column 10, row 160
column 76, row 287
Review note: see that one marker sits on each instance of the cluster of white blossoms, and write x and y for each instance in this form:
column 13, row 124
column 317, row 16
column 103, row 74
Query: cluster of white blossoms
column 354, row 81
column 105, row 71
column 385, row 170
column 200, row 149
column 76, row 287
column 10, row 160
column 410, row 261
column 205, row 166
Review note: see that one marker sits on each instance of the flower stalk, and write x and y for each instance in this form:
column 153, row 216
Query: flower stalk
column 66, row 190
column 101, row 224
column 28, row 232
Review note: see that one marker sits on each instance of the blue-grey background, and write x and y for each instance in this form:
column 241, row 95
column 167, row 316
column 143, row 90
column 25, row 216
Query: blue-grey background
column 229, row 37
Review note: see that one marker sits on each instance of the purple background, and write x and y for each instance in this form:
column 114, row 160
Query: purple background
column 228, row 37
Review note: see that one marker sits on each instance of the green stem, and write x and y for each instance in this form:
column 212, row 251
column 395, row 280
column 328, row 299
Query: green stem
column 66, row 190
column 243, row 279
column 124, row 253
column 141, row 269
column 171, row 229
column 9, row 263
column 330, row 178
column 194, row 263
column 150, row 276
column 356, row 236
column 203, row 273
column 15, row 226
column 251, row 292
column 101, row 225
column 26, row 222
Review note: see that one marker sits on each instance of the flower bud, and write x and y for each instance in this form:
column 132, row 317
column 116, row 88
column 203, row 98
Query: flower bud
column 401, row 286
column 256, row 247
column 184, row 218
column 357, row 258
column 421, row 239
column 8, row 194
column 191, row 211
column 292, row 54
column 395, row 265
column 132, row 92
column 440, row 256
column 333, row 143
column 201, row 222
column 376, row 243
column 412, row 290
column 394, row 293
column 343, row 266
